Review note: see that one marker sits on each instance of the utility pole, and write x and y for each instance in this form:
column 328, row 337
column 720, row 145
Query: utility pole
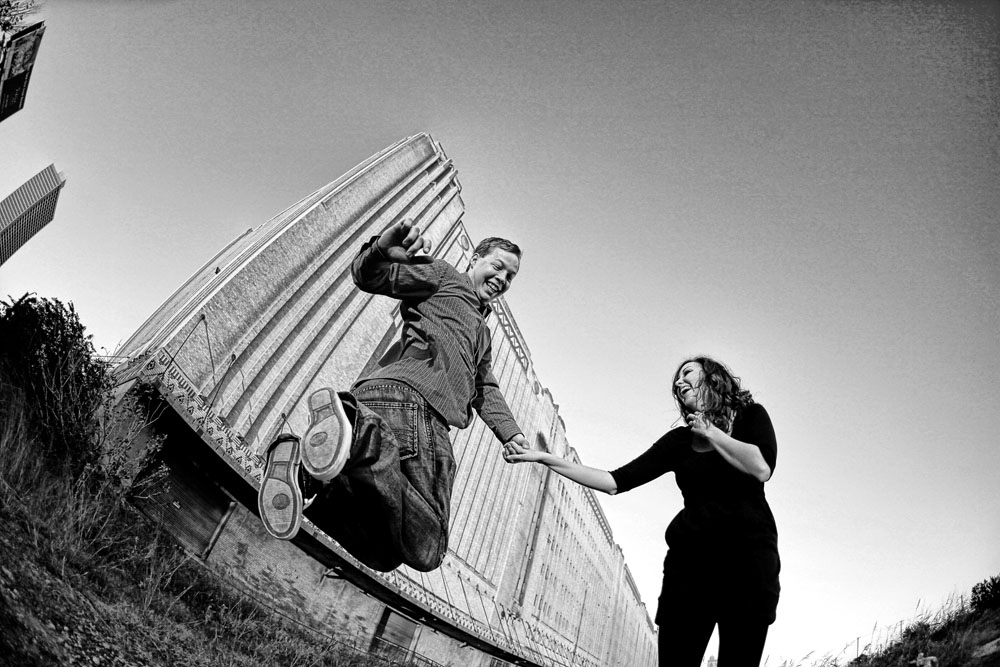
column 579, row 623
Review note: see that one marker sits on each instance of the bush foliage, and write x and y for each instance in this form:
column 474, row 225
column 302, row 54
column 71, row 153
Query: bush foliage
column 48, row 361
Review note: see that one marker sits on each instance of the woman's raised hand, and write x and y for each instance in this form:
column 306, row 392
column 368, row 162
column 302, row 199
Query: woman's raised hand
column 699, row 423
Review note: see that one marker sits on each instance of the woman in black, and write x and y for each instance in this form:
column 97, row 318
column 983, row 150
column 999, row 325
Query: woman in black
column 722, row 559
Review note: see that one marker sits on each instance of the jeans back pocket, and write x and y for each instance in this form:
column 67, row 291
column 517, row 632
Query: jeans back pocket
column 402, row 419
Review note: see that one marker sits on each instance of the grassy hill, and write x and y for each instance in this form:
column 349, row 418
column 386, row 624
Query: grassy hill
column 959, row 633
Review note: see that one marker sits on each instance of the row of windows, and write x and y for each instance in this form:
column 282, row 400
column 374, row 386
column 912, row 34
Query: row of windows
column 19, row 231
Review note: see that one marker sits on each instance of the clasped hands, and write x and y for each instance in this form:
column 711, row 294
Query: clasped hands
column 517, row 450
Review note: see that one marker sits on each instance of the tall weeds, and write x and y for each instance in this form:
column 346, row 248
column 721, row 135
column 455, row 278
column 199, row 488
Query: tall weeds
column 82, row 525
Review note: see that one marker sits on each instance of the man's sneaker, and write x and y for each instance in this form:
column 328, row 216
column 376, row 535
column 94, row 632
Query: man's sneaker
column 280, row 497
column 327, row 442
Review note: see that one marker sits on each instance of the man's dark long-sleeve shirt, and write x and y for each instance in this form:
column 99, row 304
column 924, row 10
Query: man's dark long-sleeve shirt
column 445, row 349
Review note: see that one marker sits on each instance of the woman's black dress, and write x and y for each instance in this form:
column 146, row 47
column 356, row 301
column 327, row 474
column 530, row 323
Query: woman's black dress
column 722, row 552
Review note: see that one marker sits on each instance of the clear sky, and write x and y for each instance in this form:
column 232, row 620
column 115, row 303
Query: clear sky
column 808, row 190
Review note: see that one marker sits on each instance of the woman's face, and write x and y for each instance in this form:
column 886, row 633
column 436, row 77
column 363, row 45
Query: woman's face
column 687, row 388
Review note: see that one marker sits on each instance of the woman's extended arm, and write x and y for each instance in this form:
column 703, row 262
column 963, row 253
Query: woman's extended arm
column 741, row 455
column 599, row 480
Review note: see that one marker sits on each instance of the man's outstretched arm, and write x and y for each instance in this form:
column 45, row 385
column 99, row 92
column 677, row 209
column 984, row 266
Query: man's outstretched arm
column 376, row 269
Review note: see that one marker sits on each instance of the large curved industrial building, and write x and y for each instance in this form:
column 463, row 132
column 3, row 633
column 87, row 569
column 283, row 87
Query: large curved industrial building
column 533, row 575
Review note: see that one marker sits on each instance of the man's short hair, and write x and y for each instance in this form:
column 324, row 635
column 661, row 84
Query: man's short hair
column 488, row 244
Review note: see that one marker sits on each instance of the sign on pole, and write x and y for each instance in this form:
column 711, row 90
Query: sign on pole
column 15, row 70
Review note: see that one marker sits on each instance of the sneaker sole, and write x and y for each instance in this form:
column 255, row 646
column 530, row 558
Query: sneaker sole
column 327, row 442
column 280, row 499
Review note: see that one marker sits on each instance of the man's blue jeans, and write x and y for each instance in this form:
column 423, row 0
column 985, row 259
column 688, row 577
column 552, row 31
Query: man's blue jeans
column 392, row 502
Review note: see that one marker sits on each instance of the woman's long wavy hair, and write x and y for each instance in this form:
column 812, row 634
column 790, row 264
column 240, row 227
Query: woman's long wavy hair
column 721, row 395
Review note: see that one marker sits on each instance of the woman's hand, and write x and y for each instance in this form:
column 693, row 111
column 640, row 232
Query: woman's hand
column 517, row 450
column 700, row 428
column 700, row 425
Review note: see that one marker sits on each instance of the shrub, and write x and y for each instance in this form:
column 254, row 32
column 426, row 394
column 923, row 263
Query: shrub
column 986, row 594
column 48, row 359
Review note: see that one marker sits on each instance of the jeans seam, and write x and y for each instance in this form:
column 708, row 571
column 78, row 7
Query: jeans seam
column 428, row 434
